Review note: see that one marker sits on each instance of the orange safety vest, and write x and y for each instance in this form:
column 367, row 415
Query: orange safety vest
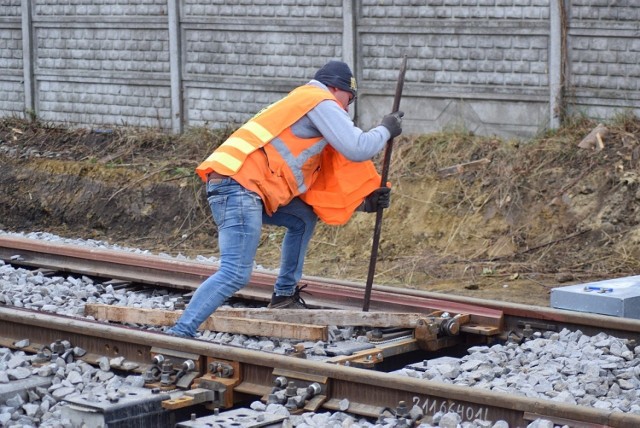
column 341, row 187
column 260, row 130
column 290, row 165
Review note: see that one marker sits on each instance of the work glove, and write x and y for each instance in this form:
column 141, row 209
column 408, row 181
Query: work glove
column 379, row 198
column 393, row 122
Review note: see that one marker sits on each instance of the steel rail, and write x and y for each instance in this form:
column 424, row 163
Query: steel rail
column 368, row 392
column 187, row 275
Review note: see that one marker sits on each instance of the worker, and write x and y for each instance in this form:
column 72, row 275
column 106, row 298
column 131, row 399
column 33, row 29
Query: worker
column 258, row 175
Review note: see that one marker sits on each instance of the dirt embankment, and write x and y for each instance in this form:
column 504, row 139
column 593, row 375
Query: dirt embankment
column 524, row 217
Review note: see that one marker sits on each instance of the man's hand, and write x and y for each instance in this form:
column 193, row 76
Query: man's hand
column 379, row 198
column 393, row 122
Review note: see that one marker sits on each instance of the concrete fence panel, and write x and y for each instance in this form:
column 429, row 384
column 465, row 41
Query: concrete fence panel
column 495, row 67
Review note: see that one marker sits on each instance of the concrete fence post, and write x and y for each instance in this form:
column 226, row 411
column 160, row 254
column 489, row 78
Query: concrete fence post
column 175, row 66
column 349, row 33
column 27, row 59
column 349, row 40
column 555, row 63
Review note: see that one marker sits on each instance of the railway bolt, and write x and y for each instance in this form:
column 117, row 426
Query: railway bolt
column 58, row 347
column 402, row 410
column 188, row 366
column 291, row 389
column 166, row 372
column 450, row 327
column 165, row 379
column 294, row 403
column 185, row 376
column 280, row 382
column 313, row 390
column 152, row 374
column 294, row 400
column 220, row 369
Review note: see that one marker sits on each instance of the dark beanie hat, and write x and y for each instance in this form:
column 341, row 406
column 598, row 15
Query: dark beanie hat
column 338, row 75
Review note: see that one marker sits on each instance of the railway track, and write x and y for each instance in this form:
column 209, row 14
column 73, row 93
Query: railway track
column 403, row 327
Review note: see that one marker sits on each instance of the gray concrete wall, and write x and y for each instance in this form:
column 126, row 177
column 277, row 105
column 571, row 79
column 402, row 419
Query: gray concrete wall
column 12, row 99
column 102, row 62
column 495, row 67
column 604, row 56
column 237, row 58
column 479, row 65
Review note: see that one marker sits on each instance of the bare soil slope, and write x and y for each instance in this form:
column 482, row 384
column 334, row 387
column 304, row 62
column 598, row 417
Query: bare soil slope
column 529, row 217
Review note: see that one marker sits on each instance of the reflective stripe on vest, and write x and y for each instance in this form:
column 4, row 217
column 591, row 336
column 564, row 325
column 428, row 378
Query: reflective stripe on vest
column 295, row 163
column 256, row 136
column 262, row 129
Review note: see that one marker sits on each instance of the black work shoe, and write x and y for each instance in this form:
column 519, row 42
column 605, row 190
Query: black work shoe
column 289, row 302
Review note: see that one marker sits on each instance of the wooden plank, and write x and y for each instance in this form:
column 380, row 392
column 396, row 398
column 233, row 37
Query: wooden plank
column 328, row 317
column 266, row 328
column 236, row 325
column 123, row 314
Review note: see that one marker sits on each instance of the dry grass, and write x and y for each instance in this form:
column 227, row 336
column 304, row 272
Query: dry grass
column 114, row 145
column 538, row 208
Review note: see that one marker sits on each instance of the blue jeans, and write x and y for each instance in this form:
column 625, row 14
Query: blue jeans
column 239, row 214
